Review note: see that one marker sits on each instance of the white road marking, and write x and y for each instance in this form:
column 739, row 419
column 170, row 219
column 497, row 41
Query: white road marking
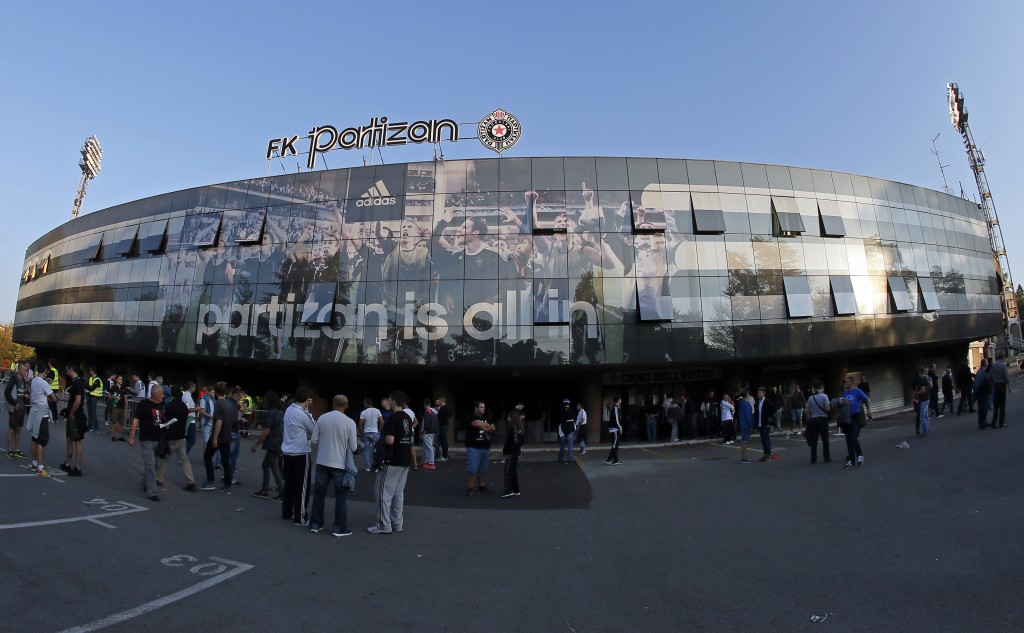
column 131, row 508
column 106, row 525
column 117, row 618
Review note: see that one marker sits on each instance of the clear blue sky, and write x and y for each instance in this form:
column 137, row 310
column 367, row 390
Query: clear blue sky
column 188, row 93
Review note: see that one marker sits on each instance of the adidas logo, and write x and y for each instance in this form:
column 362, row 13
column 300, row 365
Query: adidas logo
column 377, row 196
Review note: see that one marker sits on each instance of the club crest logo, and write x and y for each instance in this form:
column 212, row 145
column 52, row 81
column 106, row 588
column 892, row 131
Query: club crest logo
column 499, row 131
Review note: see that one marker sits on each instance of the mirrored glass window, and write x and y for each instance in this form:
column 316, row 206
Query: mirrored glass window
column 125, row 240
column 786, row 217
column 831, row 219
column 842, row 292
column 900, row 295
column 153, row 237
column 928, row 294
column 798, row 297
column 707, row 213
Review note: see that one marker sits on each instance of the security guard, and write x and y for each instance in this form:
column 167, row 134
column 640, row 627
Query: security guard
column 53, row 374
column 93, row 398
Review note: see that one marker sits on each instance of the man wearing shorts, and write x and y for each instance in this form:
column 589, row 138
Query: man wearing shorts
column 77, row 422
column 38, row 424
column 744, row 422
column 478, row 447
column 16, row 393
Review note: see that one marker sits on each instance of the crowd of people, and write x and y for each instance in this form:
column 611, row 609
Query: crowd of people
column 168, row 420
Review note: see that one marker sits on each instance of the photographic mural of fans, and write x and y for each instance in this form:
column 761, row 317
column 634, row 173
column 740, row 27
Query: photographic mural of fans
column 518, row 262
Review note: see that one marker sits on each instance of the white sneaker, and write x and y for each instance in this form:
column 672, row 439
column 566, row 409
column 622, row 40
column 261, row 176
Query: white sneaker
column 860, row 460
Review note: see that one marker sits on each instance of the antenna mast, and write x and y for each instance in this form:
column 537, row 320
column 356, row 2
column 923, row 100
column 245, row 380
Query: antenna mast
column 1011, row 317
column 942, row 168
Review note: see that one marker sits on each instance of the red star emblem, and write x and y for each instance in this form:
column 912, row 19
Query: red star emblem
column 499, row 130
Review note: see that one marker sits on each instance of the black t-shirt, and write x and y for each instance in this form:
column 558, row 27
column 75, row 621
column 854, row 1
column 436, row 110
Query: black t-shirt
column 176, row 409
column 150, row 417
column 444, row 414
column 399, row 425
column 273, row 420
column 118, row 397
column 477, row 437
column 225, row 410
column 77, row 388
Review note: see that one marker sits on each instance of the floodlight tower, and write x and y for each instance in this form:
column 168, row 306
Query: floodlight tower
column 92, row 157
column 958, row 116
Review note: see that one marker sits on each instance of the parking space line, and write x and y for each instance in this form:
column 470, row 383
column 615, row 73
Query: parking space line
column 124, row 616
column 131, row 509
column 106, row 525
column 660, row 454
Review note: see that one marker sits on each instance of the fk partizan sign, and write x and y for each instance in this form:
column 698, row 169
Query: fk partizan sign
column 498, row 131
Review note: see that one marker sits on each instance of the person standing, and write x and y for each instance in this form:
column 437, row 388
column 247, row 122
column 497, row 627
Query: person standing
column 982, row 390
column 428, row 433
column 1000, row 385
column 335, row 436
column 581, row 427
column 745, row 424
column 371, row 422
column 965, row 383
column 922, row 396
column 859, row 406
column 513, row 448
column 673, row 415
column 796, row 412
column 118, row 409
column 176, row 410
column 225, row 412
column 947, row 391
column 615, row 428
column 394, row 471
column 53, row 376
column 295, row 448
column 691, row 411
column 478, row 447
column 933, row 391
column 444, row 416
column 77, row 424
column 566, row 432
column 146, row 421
column 651, row 422
column 817, row 410
column 193, row 411
column 92, row 399
column 270, row 440
column 774, row 399
column 206, row 402
column 16, row 393
column 727, row 409
column 764, row 417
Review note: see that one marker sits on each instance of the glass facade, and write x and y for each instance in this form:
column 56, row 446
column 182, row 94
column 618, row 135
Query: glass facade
column 518, row 262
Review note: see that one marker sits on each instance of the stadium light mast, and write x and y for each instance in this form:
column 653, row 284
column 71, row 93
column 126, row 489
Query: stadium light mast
column 1011, row 317
column 92, row 158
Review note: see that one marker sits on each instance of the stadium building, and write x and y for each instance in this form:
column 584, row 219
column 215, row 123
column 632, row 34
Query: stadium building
column 522, row 278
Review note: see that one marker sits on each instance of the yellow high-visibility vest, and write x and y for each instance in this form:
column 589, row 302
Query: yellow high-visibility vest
column 97, row 386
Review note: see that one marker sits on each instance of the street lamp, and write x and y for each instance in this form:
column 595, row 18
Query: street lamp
column 92, row 158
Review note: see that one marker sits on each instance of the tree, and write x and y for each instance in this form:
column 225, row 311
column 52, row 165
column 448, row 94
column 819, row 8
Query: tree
column 9, row 349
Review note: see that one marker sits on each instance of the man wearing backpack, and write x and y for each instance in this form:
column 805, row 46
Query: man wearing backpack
column 817, row 408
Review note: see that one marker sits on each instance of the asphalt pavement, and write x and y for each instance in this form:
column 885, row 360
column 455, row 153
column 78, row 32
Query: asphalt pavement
column 677, row 538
